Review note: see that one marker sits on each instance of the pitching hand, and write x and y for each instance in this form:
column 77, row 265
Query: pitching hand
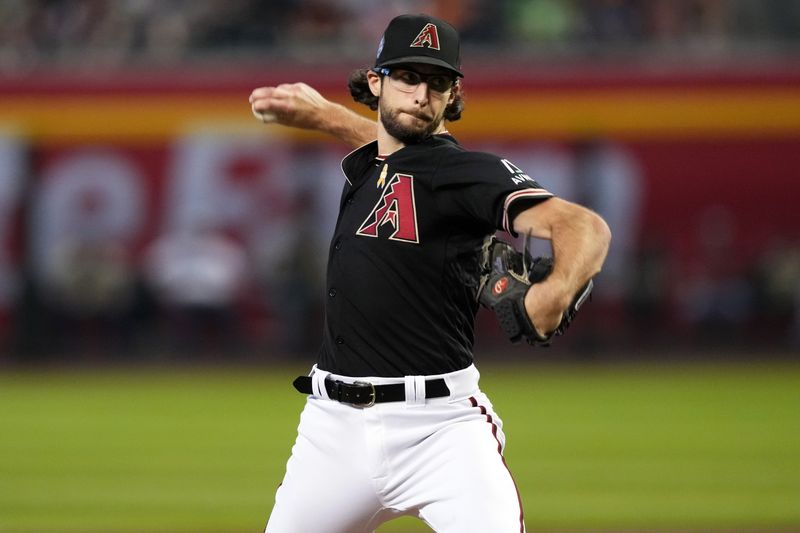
column 290, row 104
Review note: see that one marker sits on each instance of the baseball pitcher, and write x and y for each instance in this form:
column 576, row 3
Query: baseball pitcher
column 395, row 422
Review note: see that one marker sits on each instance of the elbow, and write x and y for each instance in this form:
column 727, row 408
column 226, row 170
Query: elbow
column 602, row 238
column 602, row 231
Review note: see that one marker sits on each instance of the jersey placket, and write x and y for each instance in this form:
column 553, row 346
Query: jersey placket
column 345, row 231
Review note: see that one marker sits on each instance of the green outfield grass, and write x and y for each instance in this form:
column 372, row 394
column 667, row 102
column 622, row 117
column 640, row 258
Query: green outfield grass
column 601, row 447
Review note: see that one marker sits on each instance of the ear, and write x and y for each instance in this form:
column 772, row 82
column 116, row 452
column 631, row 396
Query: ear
column 374, row 81
column 456, row 89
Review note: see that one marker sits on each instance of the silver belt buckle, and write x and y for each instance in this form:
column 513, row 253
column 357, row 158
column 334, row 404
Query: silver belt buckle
column 373, row 395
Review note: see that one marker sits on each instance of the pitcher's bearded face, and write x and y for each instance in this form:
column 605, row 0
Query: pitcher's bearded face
column 409, row 127
column 413, row 101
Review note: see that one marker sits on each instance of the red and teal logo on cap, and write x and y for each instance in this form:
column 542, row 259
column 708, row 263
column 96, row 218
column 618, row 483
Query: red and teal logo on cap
column 429, row 37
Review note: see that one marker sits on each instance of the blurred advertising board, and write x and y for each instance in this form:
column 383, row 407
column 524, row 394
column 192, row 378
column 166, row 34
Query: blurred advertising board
column 697, row 174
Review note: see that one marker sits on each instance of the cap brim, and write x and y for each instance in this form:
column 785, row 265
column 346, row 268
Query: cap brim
column 426, row 60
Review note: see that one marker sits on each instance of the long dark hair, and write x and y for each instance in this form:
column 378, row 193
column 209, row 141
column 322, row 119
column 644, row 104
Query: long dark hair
column 359, row 90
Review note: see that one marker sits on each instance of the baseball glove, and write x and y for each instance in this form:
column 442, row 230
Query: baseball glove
column 506, row 277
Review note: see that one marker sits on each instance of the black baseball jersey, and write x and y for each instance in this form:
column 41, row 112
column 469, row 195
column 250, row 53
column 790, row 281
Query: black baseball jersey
column 403, row 271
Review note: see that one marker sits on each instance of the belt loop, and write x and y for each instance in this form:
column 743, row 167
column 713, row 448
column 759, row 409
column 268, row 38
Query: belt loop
column 415, row 390
column 318, row 383
column 419, row 385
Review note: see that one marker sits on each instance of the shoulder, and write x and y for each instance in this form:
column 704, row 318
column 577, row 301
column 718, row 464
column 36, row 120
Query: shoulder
column 359, row 157
column 455, row 155
column 463, row 166
column 425, row 159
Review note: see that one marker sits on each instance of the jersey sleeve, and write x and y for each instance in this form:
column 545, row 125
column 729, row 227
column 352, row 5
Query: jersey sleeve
column 485, row 187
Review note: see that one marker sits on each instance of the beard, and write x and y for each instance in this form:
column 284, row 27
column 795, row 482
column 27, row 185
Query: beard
column 406, row 134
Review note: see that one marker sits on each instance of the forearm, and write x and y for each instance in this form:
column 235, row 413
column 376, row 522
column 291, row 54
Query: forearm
column 348, row 126
column 580, row 244
column 580, row 241
column 301, row 106
column 579, row 237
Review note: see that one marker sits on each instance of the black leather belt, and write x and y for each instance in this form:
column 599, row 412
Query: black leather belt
column 367, row 394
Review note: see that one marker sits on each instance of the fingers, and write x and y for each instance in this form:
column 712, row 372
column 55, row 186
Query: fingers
column 262, row 99
column 289, row 104
column 281, row 95
column 274, row 104
column 261, row 93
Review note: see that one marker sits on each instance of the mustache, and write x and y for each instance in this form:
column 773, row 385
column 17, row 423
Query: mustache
column 421, row 116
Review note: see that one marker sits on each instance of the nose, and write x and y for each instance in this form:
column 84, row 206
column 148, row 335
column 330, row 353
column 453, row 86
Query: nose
column 421, row 94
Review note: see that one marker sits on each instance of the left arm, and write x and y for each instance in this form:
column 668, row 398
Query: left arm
column 580, row 241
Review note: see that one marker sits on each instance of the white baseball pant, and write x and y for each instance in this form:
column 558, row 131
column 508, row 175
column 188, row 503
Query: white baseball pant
column 439, row 459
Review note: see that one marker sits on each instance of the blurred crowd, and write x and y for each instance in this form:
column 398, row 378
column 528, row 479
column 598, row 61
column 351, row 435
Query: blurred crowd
column 105, row 33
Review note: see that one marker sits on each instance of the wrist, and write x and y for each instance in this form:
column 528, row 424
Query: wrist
column 545, row 302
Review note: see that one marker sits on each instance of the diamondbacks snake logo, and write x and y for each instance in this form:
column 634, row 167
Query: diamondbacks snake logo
column 429, row 36
column 397, row 208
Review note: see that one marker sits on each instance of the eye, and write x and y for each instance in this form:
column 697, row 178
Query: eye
column 439, row 83
column 411, row 78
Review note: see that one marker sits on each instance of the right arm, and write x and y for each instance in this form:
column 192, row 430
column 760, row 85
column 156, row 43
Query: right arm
column 301, row 106
column 580, row 241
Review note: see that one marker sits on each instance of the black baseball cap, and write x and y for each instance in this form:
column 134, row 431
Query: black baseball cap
column 420, row 39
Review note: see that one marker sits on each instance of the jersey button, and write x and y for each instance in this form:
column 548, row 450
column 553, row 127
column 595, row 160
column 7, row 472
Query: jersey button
column 332, row 292
column 337, row 245
column 339, row 340
column 350, row 201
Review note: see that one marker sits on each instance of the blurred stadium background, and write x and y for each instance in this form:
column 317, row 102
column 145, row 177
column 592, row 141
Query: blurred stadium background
column 147, row 219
